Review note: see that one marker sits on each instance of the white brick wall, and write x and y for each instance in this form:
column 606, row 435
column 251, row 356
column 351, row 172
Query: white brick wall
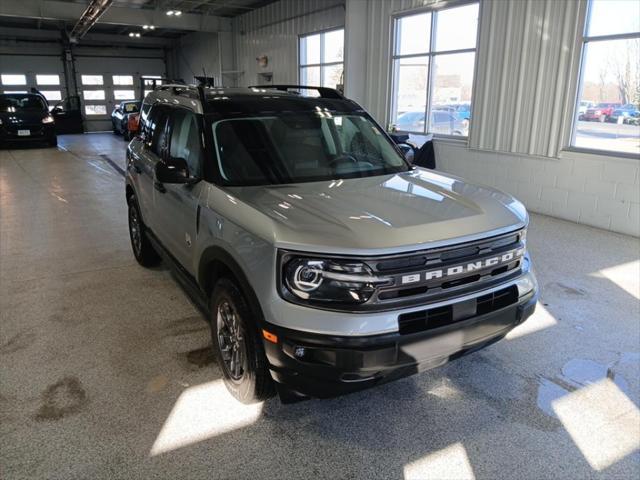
column 596, row 190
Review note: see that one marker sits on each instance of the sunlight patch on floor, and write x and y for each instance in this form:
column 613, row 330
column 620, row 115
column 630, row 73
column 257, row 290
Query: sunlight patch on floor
column 626, row 276
column 202, row 412
column 602, row 421
column 451, row 462
column 540, row 320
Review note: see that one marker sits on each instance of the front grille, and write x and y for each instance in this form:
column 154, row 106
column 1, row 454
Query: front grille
column 430, row 319
column 412, row 284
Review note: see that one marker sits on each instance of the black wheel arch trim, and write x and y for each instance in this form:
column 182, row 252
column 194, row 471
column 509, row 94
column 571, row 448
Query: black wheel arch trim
column 207, row 279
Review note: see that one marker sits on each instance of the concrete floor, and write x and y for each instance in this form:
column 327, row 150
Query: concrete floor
column 105, row 372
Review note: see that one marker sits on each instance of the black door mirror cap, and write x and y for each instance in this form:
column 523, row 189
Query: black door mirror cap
column 174, row 170
column 408, row 150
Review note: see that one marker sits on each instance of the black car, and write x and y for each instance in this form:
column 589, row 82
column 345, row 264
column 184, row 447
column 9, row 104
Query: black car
column 120, row 117
column 26, row 117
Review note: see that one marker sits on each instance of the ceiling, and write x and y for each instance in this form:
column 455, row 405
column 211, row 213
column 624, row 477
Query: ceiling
column 219, row 8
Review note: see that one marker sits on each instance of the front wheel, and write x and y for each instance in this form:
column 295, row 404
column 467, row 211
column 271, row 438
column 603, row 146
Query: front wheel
column 238, row 346
column 142, row 249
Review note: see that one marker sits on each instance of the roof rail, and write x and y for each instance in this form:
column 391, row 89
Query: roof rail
column 324, row 92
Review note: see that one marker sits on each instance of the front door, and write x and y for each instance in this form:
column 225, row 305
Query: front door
column 177, row 204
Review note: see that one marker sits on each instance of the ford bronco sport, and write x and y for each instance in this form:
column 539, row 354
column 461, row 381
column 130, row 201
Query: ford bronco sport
column 326, row 262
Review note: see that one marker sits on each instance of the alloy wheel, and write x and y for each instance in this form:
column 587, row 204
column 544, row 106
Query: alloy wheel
column 231, row 340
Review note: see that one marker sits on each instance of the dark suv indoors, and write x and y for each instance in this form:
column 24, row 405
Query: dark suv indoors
column 25, row 117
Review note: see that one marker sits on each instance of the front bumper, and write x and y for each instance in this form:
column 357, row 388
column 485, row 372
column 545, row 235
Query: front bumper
column 37, row 133
column 324, row 366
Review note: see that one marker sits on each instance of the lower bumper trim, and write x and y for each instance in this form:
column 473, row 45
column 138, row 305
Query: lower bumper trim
column 322, row 366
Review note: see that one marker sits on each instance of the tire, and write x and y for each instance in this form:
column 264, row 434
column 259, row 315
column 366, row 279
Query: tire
column 126, row 136
column 235, row 336
column 143, row 251
column 53, row 142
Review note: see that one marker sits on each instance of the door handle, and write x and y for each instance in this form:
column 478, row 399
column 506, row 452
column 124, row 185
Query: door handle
column 159, row 186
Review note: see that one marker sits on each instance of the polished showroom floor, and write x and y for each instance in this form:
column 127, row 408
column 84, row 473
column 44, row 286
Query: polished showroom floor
column 105, row 371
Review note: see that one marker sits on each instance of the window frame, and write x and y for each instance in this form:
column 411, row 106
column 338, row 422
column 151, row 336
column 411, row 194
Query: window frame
column 23, row 84
column 91, row 84
column 584, row 40
column 47, row 85
column 94, row 105
column 431, row 55
column 321, row 64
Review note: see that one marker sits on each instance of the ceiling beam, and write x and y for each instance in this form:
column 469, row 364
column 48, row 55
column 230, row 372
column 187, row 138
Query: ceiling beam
column 97, row 39
column 89, row 17
column 116, row 15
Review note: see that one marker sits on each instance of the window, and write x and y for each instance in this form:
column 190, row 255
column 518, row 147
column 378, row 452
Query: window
column 95, row 109
column 12, row 79
column 93, row 94
column 433, row 63
column 122, row 80
column 185, row 140
column 321, row 59
column 607, row 114
column 159, row 133
column 52, row 95
column 48, row 79
column 302, row 147
column 92, row 80
column 124, row 94
column 14, row 91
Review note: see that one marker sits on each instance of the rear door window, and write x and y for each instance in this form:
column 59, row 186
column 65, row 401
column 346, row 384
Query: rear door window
column 185, row 139
column 159, row 134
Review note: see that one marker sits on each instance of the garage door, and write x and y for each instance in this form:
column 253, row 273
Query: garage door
column 103, row 82
column 19, row 75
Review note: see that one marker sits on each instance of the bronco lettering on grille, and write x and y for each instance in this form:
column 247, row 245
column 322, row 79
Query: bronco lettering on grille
column 464, row 268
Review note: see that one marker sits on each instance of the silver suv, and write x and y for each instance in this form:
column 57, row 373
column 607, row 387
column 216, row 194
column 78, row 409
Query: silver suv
column 325, row 262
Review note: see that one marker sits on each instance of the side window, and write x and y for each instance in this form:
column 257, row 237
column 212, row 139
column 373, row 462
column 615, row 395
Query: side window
column 185, row 139
column 146, row 122
column 159, row 138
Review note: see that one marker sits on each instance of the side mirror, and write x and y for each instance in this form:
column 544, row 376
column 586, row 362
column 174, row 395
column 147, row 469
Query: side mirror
column 174, row 170
column 56, row 110
column 408, row 150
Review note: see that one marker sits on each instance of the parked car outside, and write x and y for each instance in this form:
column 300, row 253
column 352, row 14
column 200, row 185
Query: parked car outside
column 25, row 117
column 442, row 122
column 583, row 107
column 601, row 112
column 620, row 116
column 120, row 117
column 324, row 261
column 462, row 112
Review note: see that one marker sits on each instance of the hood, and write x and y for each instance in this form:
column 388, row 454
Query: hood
column 29, row 117
column 382, row 214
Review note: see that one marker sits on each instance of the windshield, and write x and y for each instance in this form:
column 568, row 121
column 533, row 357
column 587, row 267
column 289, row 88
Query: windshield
column 21, row 102
column 302, row 147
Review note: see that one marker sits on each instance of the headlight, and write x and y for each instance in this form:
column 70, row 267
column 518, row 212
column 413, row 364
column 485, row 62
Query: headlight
column 327, row 281
column 47, row 119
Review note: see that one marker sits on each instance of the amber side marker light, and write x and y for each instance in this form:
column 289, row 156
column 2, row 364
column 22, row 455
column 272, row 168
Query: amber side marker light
column 271, row 337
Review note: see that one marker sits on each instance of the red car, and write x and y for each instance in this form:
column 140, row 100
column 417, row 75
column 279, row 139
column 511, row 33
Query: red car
column 600, row 113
